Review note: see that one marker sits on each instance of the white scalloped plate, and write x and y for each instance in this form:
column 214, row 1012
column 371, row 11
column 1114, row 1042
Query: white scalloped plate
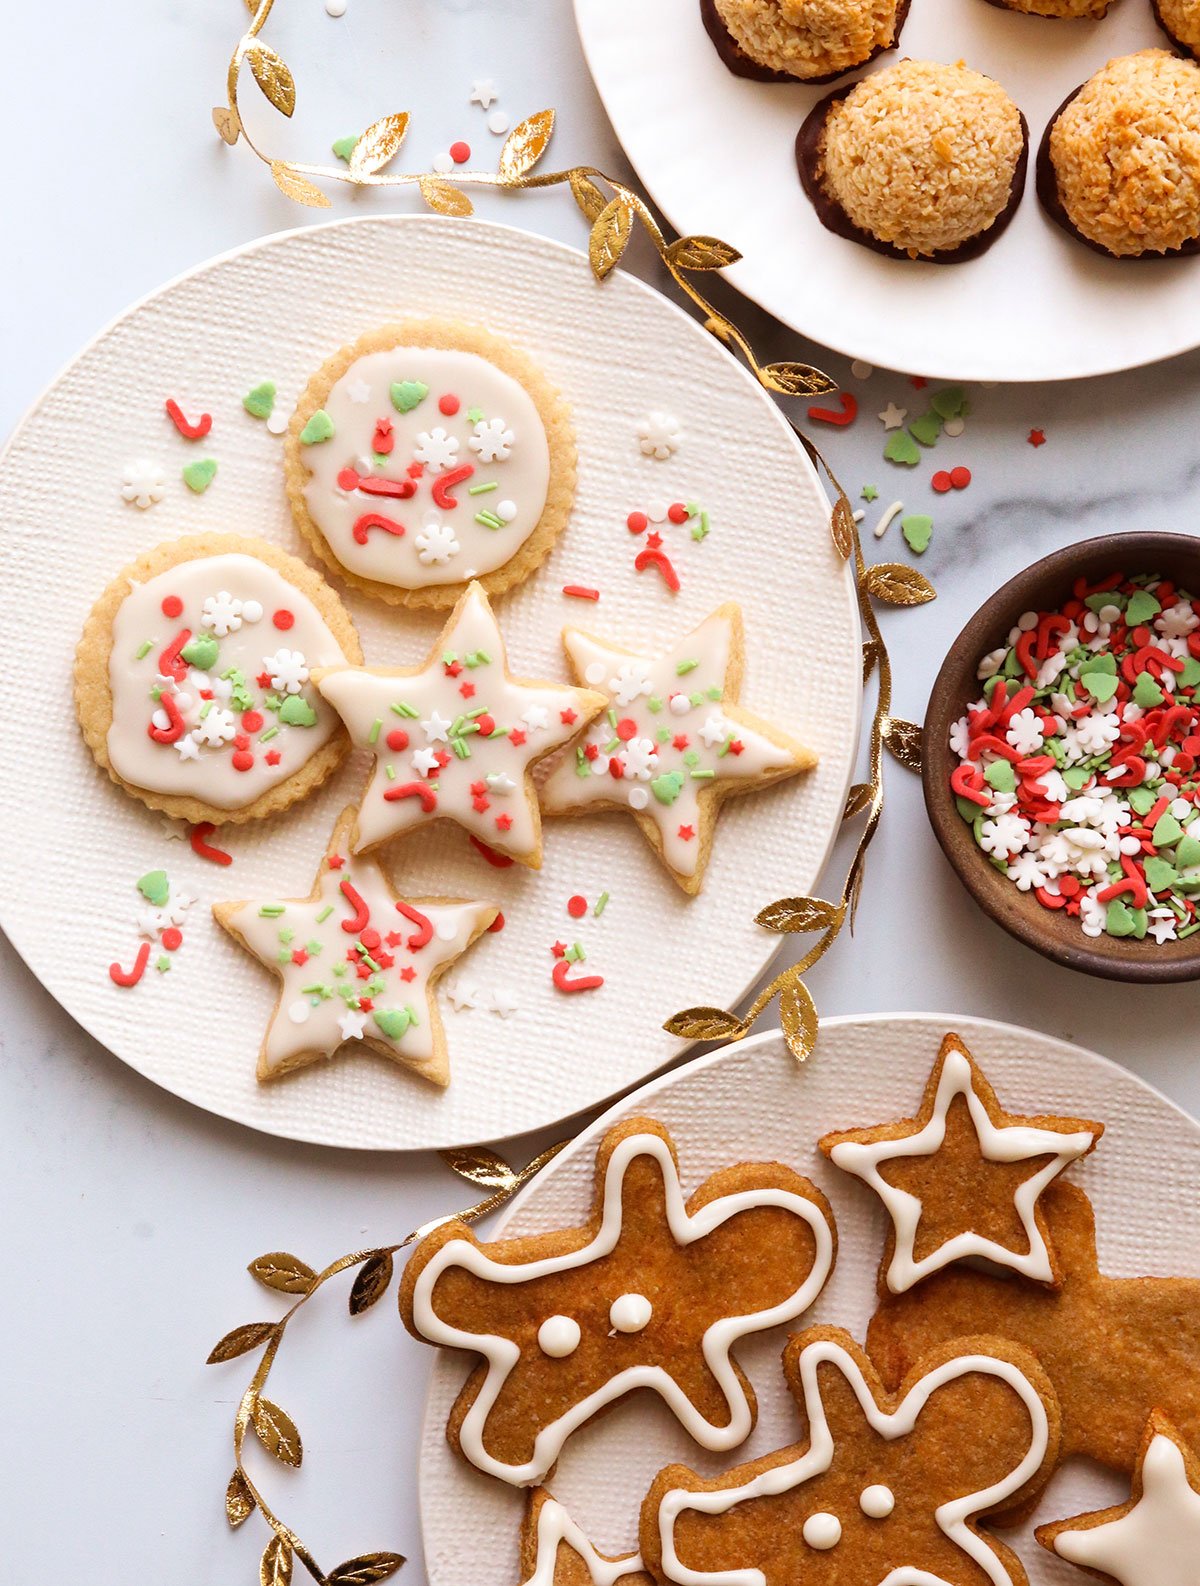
column 751, row 1102
column 617, row 350
column 716, row 153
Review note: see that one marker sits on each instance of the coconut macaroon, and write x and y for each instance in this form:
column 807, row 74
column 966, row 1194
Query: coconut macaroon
column 1180, row 21
column 812, row 41
column 1063, row 10
column 919, row 161
column 1119, row 166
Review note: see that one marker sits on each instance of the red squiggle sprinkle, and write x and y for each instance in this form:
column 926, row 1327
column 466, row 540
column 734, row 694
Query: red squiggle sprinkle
column 445, row 483
column 170, row 662
column 190, row 432
column 838, row 417
column 413, row 790
column 501, row 861
column 362, row 913
column 175, row 731
column 424, row 931
column 375, row 520
column 653, row 557
column 198, row 837
column 564, row 982
column 581, row 592
column 372, row 485
column 130, row 977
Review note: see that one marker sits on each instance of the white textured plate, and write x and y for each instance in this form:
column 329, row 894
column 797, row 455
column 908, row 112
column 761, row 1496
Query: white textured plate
column 751, row 1102
column 275, row 310
column 716, row 153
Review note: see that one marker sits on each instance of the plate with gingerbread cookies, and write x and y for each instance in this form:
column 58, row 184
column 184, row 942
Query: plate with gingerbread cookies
column 909, row 1319
column 386, row 560
column 1004, row 191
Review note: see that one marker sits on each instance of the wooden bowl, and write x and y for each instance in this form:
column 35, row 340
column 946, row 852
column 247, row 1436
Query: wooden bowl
column 1044, row 587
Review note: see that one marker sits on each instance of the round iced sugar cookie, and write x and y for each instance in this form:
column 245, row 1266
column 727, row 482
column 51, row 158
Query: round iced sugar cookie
column 426, row 455
column 192, row 678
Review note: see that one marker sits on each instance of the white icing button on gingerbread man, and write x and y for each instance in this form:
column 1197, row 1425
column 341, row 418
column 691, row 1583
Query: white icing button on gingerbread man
column 822, row 1531
column 630, row 1313
column 877, row 1501
column 558, row 1336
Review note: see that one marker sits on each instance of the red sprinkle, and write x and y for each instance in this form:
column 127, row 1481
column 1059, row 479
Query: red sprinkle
column 172, row 938
column 362, row 914
column 252, row 720
column 130, row 977
column 199, row 835
column 501, row 861
column 397, row 738
column 677, row 512
column 580, row 592
column 424, row 932
column 498, row 923
column 460, row 153
column 374, row 520
column 1037, row 437
column 941, row 482
column 449, row 404
column 171, row 606
column 840, row 416
column 577, row 906
column 445, row 483
column 190, row 432
column 960, row 477
column 413, row 790
column 242, row 760
column 562, row 978
column 283, row 619
column 637, row 523
column 651, row 556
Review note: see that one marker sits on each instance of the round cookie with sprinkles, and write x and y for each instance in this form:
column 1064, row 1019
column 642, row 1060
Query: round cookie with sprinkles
column 428, row 454
column 192, row 678
column 674, row 742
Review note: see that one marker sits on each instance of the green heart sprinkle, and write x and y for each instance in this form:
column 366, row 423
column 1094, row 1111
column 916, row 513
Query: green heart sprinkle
column 917, row 530
column 155, row 887
column 949, row 402
column 297, row 712
column 1187, row 855
column 1160, row 874
column 408, row 394
column 901, row 448
column 667, row 787
column 1100, row 685
column 343, row 148
column 199, row 475
column 393, row 1021
column 1142, row 606
column 260, row 402
column 319, row 428
column 926, row 429
column 1119, row 920
column 201, row 651
column 1001, row 776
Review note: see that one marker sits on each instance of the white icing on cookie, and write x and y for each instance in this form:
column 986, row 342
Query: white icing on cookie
column 952, row 1517
column 447, row 457
column 630, row 1313
column 822, row 1531
column 210, row 697
column 502, row 1354
column 558, row 1337
column 877, row 1501
column 554, row 1527
column 666, row 738
column 457, row 738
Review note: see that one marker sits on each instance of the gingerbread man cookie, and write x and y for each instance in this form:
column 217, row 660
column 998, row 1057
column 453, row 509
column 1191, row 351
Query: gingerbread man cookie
column 964, row 1177
column 427, row 454
column 675, row 742
column 1154, row 1539
column 457, row 738
column 1115, row 1348
column 651, row 1293
column 356, row 962
column 556, row 1552
column 887, row 1487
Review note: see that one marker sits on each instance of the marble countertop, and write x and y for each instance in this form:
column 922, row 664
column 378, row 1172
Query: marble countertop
column 131, row 1215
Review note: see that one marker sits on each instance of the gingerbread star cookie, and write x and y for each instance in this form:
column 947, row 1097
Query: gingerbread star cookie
column 963, row 1178
column 674, row 744
column 456, row 739
column 652, row 1292
column 556, row 1552
column 1115, row 1349
column 887, row 1487
column 1154, row 1539
column 356, row 962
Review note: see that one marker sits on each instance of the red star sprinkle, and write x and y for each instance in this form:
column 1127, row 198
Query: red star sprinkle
column 394, row 938
column 384, row 960
column 415, row 470
column 591, row 751
column 443, row 759
column 453, row 668
column 481, row 803
column 687, row 833
column 336, row 861
column 467, row 690
column 479, row 789
column 679, row 741
column 263, row 680
column 918, row 382
column 363, row 972
column 300, row 956
column 1037, row 437
column 654, row 542
column 273, row 757
column 408, row 973
column 567, row 717
column 736, row 746
column 503, row 823
column 559, row 949
column 365, row 1004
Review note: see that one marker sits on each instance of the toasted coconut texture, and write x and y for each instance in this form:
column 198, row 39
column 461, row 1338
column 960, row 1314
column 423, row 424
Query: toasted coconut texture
column 812, row 41
column 1120, row 163
column 920, row 161
column 1180, row 21
column 1060, row 10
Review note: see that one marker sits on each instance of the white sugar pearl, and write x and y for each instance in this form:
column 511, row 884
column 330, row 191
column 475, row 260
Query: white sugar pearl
column 1180, row 808
column 1130, row 846
column 876, row 1502
column 443, row 163
column 335, row 8
column 498, row 122
column 445, row 930
column 299, row 1011
column 638, row 798
column 277, row 421
column 251, row 611
column 861, row 369
column 822, row 1531
column 600, row 765
column 679, row 704
column 595, row 672
column 657, row 511
column 558, row 1336
column 506, row 511
column 954, row 428
column 629, row 1313
column 1110, row 613
column 1028, row 620
column 161, row 720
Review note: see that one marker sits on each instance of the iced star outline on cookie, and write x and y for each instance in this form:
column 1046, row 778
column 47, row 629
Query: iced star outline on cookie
column 1154, row 1538
column 356, row 962
column 1047, row 1145
column 556, row 1552
column 457, row 737
column 652, row 1293
column 675, row 742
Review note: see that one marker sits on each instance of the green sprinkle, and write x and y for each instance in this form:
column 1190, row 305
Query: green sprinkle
column 1100, row 685
column 700, row 531
column 1160, row 874
column 703, row 776
column 869, row 493
column 287, row 936
column 601, row 905
column 1001, row 776
column 459, row 746
column 489, row 520
column 1167, row 831
column 1187, row 855
column 376, row 725
column 260, row 402
column 390, row 772
column 713, row 693
column 393, row 1021
column 319, row 428
column 271, row 732
column 324, row 914
column 408, row 394
column 663, row 735
column 343, row 148
column 667, row 787
column 654, row 704
column 478, row 658
column 475, row 415
column 270, row 910
column 317, row 989
column 582, row 766
column 901, row 448
column 917, row 529
column 1146, row 691
column 201, row 651
column 949, row 402
column 482, row 490
column 313, row 948
column 199, row 475
column 1119, row 920
column 162, row 963
column 143, row 649
column 580, row 955
column 926, row 429
column 403, row 708
column 295, row 711
column 682, row 668
column 1142, row 606
column 691, row 757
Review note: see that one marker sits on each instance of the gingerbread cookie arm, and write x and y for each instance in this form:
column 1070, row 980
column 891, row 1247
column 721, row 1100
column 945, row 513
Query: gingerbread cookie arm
column 556, row 1552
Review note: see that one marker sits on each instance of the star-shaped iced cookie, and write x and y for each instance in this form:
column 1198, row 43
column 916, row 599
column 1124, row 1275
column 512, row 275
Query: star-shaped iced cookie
column 555, row 1551
column 674, row 743
column 1154, row 1539
column 356, row 963
column 964, row 1177
column 457, row 737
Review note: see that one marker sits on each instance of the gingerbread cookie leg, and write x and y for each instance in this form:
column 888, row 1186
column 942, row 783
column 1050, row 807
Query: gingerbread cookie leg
column 556, row 1552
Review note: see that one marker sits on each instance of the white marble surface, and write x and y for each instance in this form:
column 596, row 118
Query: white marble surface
column 129, row 1215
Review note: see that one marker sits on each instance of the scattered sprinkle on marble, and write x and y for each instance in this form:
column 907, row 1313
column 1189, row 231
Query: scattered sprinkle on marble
column 1037, row 437
column 277, row 422
column 483, row 93
column 335, row 8
column 443, row 162
column 954, row 427
column 892, row 417
column 498, row 122
column 888, row 516
column 861, row 370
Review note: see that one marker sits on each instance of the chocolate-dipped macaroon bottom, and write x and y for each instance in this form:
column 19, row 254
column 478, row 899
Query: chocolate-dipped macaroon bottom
column 742, row 64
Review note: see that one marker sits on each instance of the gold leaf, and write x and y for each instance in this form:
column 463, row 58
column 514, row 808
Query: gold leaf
column 481, row 1166
column 798, row 1015
column 275, row 1568
column 365, row 1569
column 858, row 799
column 856, row 887
column 610, row 236
column 705, row 1024
column 899, row 585
column 798, row 914
column 841, row 527
column 444, row 198
column 296, row 187
column 525, row 145
column 378, row 144
column 276, row 1431
column 904, row 741
column 587, row 195
column 239, row 1341
column 239, row 1500
column 871, row 653
column 282, row 1272
column 795, row 379
column 273, row 76
column 701, row 253
column 227, row 122
column 370, row 1282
